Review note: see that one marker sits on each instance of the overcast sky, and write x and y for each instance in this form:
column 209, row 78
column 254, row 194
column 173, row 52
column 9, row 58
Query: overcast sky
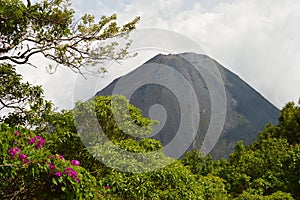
column 259, row 40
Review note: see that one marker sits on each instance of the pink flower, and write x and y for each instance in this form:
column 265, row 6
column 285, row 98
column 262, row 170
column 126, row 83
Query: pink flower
column 41, row 141
column 60, row 156
column 17, row 133
column 38, row 137
column 13, row 151
column 77, row 180
column 24, row 162
column 15, row 143
column 75, row 162
column 58, row 174
column 73, row 173
column 107, row 187
column 31, row 141
column 68, row 171
column 38, row 146
column 52, row 167
column 52, row 157
column 17, row 149
column 24, row 158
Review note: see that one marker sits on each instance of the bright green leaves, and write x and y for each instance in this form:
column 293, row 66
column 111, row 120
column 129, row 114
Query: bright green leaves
column 198, row 163
column 275, row 196
column 172, row 182
column 288, row 127
column 113, row 131
column 258, row 167
column 267, row 169
column 289, row 123
column 116, row 117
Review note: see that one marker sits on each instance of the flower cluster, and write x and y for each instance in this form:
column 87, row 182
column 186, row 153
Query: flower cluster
column 75, row 162
column 56, row 169
column 17, row 151
column 60, row 157
column 13, row 151
column 39, row 139
column 23, row 158
column 69, row 171
column 58, row 174
column 52, row 167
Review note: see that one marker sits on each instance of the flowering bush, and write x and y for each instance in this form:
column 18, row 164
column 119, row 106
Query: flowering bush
column 30, row 170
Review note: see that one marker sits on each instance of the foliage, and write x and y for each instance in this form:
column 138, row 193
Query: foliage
column 213, row 187
column 23, row 102
column 289, row 123
column 172, row 182
column 93, row 137
column 198, row 163
column 48, row 28
column 270, row 164
column 67, row 141
column 107, row 111
column 275, row 196
column 31, row 171
column 259, row 167
column 266, row 169
column 288, row 127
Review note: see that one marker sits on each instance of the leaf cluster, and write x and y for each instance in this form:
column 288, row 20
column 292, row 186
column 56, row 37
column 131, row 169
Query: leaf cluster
column 49, row 28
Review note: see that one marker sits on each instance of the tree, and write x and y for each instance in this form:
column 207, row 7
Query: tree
column 288, row 127
column 198, row 163
column 23, row 103
column 48, row 28
column 289, row 123
column 258, row 167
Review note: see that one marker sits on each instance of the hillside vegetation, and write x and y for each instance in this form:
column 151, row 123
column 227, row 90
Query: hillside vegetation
column 43, row 157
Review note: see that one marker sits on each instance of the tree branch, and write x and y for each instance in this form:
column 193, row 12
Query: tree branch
column 10, row 106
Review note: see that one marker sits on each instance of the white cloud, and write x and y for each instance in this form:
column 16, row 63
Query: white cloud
column 257, row 39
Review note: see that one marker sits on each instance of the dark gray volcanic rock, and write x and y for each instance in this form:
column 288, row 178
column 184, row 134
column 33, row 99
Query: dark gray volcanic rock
column 247, row 111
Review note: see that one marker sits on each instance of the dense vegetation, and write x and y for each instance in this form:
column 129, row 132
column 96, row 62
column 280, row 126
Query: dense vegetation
column 47, row 160
column 43, row 155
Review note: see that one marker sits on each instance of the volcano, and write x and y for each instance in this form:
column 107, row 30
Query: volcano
column 216, row 98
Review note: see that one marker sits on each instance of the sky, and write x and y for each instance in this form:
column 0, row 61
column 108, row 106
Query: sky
column 259, row 40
